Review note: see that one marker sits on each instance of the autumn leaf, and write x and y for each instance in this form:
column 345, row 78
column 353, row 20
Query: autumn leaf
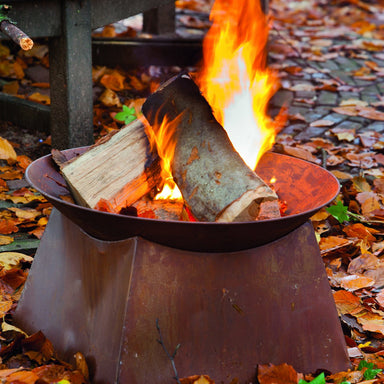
column 10, row 260
column 40, row 98
column 6, row 150
column 276, row 374
column 114, row 81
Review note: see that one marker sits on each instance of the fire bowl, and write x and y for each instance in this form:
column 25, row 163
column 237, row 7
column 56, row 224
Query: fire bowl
column 305, row 187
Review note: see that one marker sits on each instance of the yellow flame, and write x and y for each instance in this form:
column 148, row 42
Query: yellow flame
column 162, row 137
column 234, row 78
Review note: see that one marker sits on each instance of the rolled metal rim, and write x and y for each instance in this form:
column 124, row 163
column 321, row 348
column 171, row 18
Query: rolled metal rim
column 304, row 186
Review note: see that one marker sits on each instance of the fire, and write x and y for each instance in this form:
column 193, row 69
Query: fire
column 235, row 82
column 161, row 137
column 234, row 78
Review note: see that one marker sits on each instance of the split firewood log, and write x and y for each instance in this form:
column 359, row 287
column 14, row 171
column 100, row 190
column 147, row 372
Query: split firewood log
column 215, row 182
column 114, row 173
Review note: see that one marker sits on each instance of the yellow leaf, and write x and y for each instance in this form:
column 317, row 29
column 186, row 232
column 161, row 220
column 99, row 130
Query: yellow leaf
column 6, row 150
column 25, row 213
column 110, row 98
column 39, row 98
column 12, row 259
column 5, row 240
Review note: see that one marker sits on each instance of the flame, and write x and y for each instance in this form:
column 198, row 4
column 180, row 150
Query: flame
column 162, row 137
column 234, row 78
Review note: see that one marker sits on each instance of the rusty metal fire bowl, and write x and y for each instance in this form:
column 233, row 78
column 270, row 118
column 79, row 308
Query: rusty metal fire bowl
column 305, row 187
column 233, row 295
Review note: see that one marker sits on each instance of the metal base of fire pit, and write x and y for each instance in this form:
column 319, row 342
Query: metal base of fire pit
column 229, row 311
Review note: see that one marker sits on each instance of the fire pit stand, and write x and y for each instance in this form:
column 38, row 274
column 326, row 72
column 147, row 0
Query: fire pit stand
column 266, row 301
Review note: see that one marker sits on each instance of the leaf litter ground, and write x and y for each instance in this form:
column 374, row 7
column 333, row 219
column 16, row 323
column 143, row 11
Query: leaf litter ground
column 328, row 57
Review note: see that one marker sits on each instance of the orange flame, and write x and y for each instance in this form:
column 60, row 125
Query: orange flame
column 162, row 137
column 234, row 78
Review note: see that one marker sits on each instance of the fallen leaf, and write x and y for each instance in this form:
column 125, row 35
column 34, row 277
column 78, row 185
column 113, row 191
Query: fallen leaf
column 301, row 154
column 322, row 123
column 347, row 303
column 40, row 98
column 25, row 377
column 276, row 374
column 110, row 98
column 344, row 134
column 348, row 110
column 9, row 260
column 356, row 282
column 331, row 242
column 114, row 81
column 6, row 150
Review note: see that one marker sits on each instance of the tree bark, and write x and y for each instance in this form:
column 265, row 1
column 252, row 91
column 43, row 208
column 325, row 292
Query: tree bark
column 215, row 182
column 17, row 35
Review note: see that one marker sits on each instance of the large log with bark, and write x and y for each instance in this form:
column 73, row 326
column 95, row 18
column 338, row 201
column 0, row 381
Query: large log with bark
column 114, row 173
column 215, row 182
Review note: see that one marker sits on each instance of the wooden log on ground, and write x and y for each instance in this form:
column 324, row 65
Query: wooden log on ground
column 114, row 173
column 215, row 182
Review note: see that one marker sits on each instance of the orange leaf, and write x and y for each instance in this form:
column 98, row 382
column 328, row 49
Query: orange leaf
column 39, row 98
column 113, row 81
column 277, row 374
column 360, row 231
column 330, row 242
column 11, row 88
column 8, row 226
column 23, row 161
column 369, row 202
column 25, row 377
column 347, row 302
column 6, row 150
column 355, row 282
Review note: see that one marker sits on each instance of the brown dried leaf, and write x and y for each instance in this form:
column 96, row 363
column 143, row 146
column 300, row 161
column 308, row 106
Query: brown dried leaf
column 322, row 123
column 360, row 231
column 364, row 160
column 355, row 282
column 110, row 99
column 277, row 374
column 301, row 154
column 24, row 377
column 348, row 110
column 114, row 81
column 344, row 134
column 362, row 263
column 347, row 303
column 331, row 242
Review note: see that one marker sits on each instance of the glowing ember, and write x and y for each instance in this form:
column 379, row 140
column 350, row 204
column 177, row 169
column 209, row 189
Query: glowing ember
column 234, row 79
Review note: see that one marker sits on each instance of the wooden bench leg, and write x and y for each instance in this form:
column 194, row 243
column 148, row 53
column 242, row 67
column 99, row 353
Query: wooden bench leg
column 71, row 77
column 160, row 20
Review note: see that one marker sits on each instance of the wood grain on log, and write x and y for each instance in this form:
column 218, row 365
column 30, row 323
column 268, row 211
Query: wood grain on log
column 114, row 173
column 215, row 182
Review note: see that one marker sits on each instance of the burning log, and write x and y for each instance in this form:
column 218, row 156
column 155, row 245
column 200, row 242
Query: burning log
column 114, row 173
column 215, row 182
